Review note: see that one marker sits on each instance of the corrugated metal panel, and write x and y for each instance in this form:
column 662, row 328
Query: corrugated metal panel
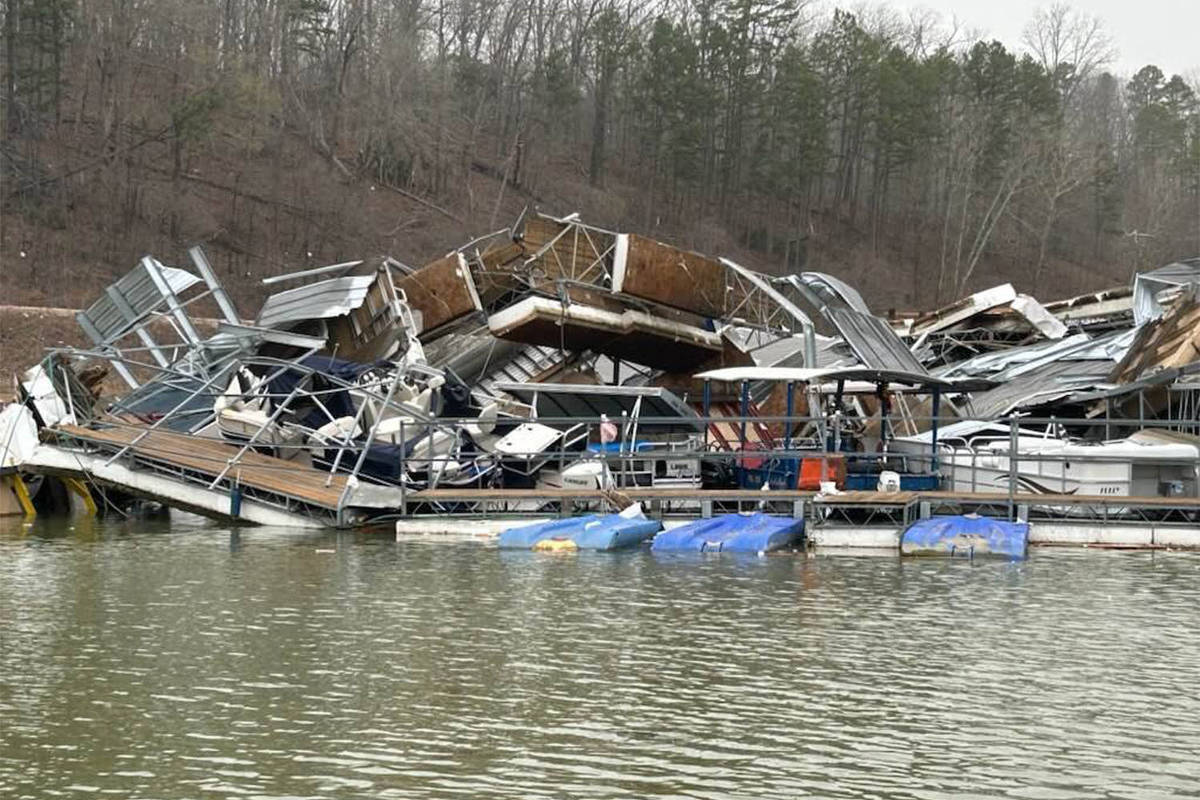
column 1148, row 284
column 1043, row 384
column 137, row 288
column 1079, row 347
column 833, row 291
column 322, row 300
column 876, row 345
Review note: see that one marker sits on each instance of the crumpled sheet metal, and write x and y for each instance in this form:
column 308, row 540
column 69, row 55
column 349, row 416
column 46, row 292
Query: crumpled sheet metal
column 1147, row 285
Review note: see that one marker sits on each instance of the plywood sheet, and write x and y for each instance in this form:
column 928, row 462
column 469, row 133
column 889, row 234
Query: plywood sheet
column 571, row 251
column 1172, row 341
column 671, row 276
column 443, row 291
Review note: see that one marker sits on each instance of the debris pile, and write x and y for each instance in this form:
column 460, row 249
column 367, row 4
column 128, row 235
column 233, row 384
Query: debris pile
column 554, row 355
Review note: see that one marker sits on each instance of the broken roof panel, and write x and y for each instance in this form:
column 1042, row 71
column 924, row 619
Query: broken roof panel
column 873, row 341
column 963, row 309
column 631, row 335
column 787, row 350
column 569, row 400
column 322, row 300
column 664, row 274
column 1172, row 341
column 1047, row 382
column 443, row 291
column 1038, row 317
column 131, row 298
column 1148, row 285
column 805, row 375
column 833, row 291
column 1016, row 359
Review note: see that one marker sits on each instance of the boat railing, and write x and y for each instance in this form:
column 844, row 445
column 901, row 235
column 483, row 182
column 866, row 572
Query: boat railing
column 793, row 438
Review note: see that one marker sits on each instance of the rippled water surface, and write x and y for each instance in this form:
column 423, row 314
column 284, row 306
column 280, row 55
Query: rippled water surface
column 181, row 661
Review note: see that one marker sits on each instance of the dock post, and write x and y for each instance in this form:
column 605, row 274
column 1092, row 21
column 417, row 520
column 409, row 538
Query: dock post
column 706, row 509
column 403, row 474
column 797, row 509
column 742, row 434
column 793, row 469
column 235, row 498
column 1012, row 466
column 933, row 456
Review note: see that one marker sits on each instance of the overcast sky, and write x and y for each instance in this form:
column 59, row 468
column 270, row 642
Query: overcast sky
column 1161, row 32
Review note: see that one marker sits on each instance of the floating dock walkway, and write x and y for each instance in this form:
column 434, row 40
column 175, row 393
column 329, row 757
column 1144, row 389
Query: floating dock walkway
column 208, row 477
column 224, row 481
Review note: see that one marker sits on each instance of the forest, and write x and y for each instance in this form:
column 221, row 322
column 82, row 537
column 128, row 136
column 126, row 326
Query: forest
column 900, row 151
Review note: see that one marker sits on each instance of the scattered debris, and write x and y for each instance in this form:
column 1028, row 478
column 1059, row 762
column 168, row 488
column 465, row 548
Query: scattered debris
column 560, row 357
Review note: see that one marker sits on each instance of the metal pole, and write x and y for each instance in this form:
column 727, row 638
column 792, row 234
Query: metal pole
column 742, row 434
column 745, row 413
column 791, row 466
column 214, row 285
column 1012, row 465
column 791, row 410
column 403, row 474
column 362, row 457
column 153, row 269
column 707, row 405
column 254, row 437
column 937, row 398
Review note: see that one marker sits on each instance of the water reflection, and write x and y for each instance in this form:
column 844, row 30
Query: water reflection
column 190, row 660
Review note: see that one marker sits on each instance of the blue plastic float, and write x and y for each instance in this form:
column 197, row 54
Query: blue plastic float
column 966, row 536
column 732, row 533
column 591, row 532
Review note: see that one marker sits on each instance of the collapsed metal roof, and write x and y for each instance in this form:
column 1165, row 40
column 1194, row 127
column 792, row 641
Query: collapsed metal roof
column 1049, row 381
column 834, row 292
column 322, row 300
column 1148, row 285
column 803, row 375
column 132, row 297
column 873, row 341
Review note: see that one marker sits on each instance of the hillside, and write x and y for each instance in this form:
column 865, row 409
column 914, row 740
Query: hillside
column 914, row 165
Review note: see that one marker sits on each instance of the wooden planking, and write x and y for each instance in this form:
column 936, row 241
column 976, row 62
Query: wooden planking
column 1171, row 341
column 209, row 457
column 442, row 291
column 258, row 471
column 674, row 277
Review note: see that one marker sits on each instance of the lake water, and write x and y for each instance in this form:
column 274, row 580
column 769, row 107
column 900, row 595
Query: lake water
column 180, row 660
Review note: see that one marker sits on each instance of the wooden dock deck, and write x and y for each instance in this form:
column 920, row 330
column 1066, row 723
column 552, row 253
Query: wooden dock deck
column 181, row 467
column 208, row 457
